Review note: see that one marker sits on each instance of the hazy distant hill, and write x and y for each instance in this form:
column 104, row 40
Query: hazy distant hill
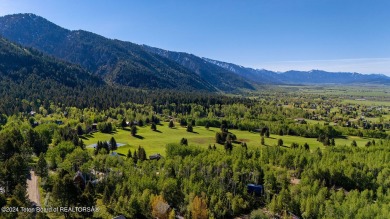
column 302, row 77
column 259, row 76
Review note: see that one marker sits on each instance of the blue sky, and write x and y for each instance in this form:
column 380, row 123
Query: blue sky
column 333, row 35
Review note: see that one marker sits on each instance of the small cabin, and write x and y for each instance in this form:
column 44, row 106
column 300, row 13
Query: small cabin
column 155, row 157
column 255, row 189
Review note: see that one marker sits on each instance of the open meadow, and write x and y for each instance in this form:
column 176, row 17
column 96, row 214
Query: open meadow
column 155, row 141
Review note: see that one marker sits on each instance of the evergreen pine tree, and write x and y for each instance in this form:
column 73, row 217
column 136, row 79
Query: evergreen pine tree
column 106, row 196
column 41, row 169
column 267, row 133
column 189, row 128
column 306, row 146
column 135, row 157
column 153, row 126
column 171, row 124
column 133, row 130
column 113, row 145
column 123, row 123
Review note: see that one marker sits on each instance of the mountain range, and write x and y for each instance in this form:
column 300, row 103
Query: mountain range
column 119, row 63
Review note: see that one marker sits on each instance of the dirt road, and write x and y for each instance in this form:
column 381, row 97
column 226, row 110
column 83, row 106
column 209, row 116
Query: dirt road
column 32, row 189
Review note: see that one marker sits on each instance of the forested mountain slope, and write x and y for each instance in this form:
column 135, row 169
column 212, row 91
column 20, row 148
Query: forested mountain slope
column 117, row 62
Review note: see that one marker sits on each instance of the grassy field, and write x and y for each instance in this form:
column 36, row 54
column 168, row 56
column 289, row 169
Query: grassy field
column 357, row 90
column 367, row 102
column 154, row 142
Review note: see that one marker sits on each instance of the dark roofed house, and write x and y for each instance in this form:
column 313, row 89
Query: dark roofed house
column 79, row 180
column 119, row 217
column 255, row 189
column 155, row 157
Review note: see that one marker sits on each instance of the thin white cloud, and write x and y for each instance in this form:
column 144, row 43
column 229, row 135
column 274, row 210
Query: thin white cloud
column 361, row 65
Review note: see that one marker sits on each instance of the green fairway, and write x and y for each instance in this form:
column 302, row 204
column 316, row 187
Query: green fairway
column 154, row 142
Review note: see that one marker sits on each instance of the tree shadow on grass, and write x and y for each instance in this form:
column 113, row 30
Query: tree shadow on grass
column 138, row 136
column 83, row 137
column 158, row 131
column 89, row 135
column 195, row 133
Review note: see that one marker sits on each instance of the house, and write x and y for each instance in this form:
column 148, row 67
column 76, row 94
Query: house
column 155, row 157
column 32, row 113
column 119, row 217
column 79, row 180
column 255, row 189
column 94, row 126
column 300, row 120
column 59, row 122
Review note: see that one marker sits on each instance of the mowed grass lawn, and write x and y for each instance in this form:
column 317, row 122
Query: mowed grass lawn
column 154, row 142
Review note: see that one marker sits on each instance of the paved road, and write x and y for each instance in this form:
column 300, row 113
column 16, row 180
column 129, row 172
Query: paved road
column 32, row 189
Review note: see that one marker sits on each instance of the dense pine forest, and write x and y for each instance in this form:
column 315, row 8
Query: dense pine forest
column 189, row 179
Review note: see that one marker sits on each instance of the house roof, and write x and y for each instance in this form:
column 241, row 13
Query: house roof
column 79, row 175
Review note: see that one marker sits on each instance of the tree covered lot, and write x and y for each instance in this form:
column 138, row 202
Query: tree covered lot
column 332, row 182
